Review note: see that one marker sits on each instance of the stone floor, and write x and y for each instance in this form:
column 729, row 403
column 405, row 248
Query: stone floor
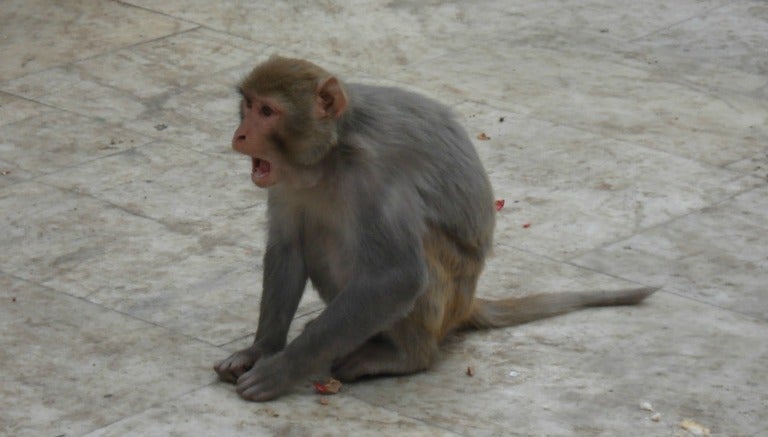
column 631, row 136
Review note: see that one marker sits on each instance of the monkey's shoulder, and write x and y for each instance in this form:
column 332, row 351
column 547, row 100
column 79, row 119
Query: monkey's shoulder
column 408, row 127
column 392, row 105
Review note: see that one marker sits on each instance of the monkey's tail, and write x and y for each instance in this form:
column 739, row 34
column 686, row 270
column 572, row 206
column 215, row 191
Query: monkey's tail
column 518, row 310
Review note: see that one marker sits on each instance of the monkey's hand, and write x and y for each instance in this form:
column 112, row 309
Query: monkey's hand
column 268, row 378
column 238, row 363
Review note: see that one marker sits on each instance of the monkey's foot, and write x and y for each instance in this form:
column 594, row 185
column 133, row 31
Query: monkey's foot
column 373, row 359
column 237, row 364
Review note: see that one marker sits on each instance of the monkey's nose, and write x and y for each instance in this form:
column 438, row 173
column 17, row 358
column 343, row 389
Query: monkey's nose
column 238, row 142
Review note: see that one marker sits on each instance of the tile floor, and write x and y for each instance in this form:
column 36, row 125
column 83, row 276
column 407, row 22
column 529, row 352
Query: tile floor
column 632, row 136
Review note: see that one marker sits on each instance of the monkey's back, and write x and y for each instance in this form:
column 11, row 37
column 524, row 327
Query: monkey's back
column 422, row 150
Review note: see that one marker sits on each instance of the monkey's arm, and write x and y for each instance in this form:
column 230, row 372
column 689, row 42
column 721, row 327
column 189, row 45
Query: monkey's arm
column 283, row 283
column 284, row 280
column 387, row 280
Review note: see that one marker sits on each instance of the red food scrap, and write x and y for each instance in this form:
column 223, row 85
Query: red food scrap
column 499, row 204
column 526, row 225
column 330, row 387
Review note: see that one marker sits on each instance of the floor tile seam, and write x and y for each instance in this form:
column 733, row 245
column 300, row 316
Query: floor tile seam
column 124, row 47
column 128, row 4
column 681, row 80
column 85, row 300
column 147, row 145
column 625, row 236
column 70, row 63
column 74, row 166
column 434, row 426
column 646, row 147
column 150, row 406
column 615, row 54
column 667, row 288
column 684, row 20
column 226, row 33
column 118, row 125
column 35, row 178
column 670, row 220
column 610, row 53
column 674, row 290
column 168, row 227
column 49, row 107
column 572, row 264
column 586, row 128
column 75, row 65
column 198, row 77
column 252, row 334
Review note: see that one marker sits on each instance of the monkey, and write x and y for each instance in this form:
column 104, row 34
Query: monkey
column 377, row 196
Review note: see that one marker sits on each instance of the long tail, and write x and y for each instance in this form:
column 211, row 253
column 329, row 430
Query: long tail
column 517, row 310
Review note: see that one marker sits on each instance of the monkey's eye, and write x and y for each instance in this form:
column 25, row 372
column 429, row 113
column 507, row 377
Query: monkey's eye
column 248, row 104
column 266, row 111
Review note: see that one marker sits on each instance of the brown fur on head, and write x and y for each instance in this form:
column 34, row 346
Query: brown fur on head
column 309, row 100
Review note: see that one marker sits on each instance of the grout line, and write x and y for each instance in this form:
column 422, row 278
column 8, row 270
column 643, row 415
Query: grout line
column 727, row 198
column 72, row 62
column 111, row 310
column 677, row 23
column 149, row 406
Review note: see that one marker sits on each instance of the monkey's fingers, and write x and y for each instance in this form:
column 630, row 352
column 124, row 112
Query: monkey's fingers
column 231, row 368
column 225, row 372
column 265, row 381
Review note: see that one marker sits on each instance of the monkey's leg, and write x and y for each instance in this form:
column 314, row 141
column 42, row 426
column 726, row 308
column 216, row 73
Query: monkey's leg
column 406, row 348
column 412, row 344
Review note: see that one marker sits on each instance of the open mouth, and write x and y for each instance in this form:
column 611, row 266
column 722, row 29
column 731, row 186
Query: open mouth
column 260, row 168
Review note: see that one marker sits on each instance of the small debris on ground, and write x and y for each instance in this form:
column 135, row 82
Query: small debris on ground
column 330, row 387
column 656, row 417
column 5, row 172
column 483, row 136
column 323, row 401
column 526, row 225
column 161, row 126
column 513, row 373
column 499, row 204
column 694, row 428
column 271, row 412
column 501, row 119
column 470, row 371
column 646, row 406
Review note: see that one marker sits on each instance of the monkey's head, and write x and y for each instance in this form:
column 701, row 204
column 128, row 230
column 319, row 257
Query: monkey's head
column 288, row 118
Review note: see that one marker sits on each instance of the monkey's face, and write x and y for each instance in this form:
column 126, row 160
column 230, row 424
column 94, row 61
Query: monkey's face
column 255, row 137
column 288, row 121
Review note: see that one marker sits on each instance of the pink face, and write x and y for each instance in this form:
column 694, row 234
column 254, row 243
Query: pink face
column 260, row 116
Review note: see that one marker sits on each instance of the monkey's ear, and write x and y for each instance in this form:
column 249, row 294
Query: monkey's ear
column 333, row 99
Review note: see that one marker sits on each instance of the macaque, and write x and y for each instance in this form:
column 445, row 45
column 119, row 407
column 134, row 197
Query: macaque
column 378, row 197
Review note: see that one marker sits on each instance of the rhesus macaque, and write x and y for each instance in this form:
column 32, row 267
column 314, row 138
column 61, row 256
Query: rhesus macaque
column 378, row 197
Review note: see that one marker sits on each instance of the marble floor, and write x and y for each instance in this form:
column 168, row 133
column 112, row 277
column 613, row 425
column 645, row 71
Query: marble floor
column 629, row 140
